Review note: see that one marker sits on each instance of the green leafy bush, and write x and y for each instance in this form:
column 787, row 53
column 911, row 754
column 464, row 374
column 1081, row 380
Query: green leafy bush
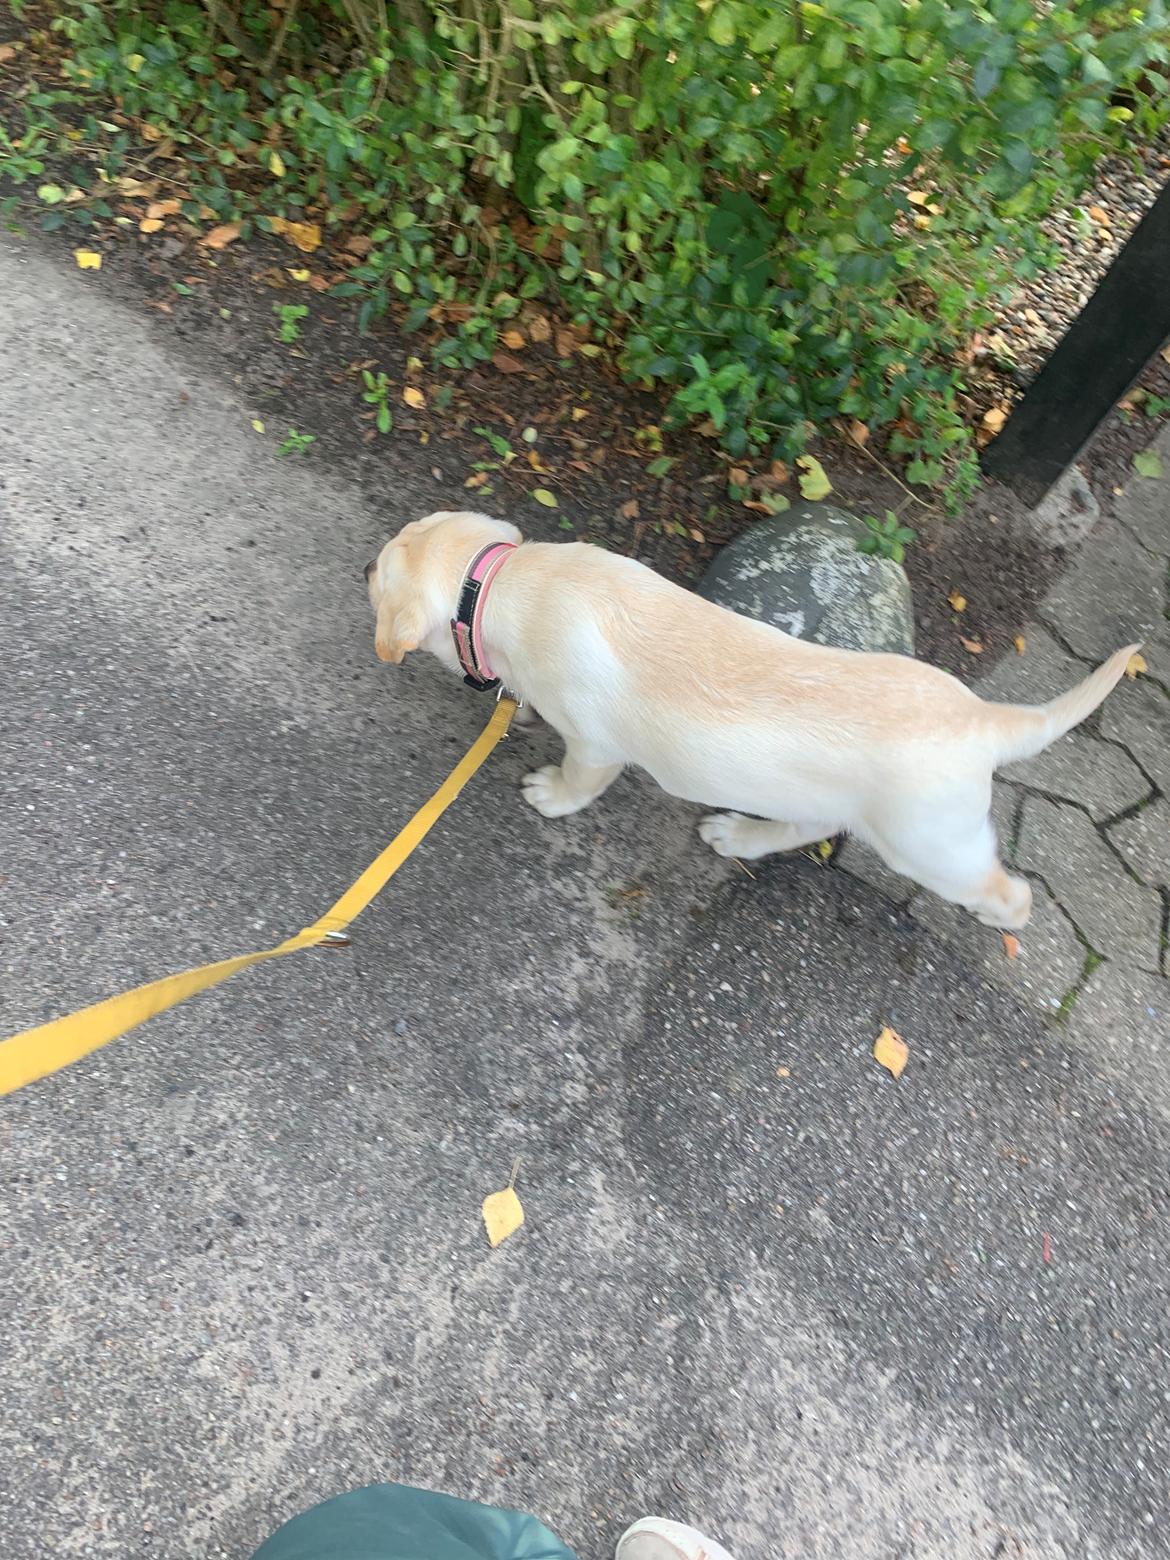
column 785, row 212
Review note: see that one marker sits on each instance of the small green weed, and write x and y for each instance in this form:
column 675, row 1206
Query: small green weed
column 377, row 394
column 290, row 315
column 887, row 538
column 296, row 443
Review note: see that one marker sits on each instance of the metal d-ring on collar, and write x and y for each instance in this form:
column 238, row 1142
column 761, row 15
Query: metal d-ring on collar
column 466, row 624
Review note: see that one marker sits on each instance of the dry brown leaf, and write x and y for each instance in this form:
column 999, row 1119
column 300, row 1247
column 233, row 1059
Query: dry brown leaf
column 150, row 224
column 318, row 283
column 738, row 476
column 566, row 344
column 1020, row 643
column 163, row 208
column 535, row 461
column 136, row 189
column 697, row 536
column 630, row 510
column 476, row 480
column 7, row 52
column 994, row 418
column 779, row 472
column 539, row 328
column 1136, row 665
column 219, row 237
column 958, row 601
column 507, row 364
column 859, row 433
column 502, row 1215
column 359, row 244
column 1011, row 945
column 975, row 646
column 414, row 397
column 891, row 1051
column 757, row 506
column 515, row 339
column 1100, row 216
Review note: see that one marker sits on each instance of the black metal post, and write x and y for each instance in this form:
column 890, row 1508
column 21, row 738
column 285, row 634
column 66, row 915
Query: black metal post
column 1106, row 347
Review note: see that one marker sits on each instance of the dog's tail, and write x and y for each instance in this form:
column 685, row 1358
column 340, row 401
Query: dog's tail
column 1018, row 731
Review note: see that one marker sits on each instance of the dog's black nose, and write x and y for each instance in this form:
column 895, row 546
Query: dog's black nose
column 370, row 567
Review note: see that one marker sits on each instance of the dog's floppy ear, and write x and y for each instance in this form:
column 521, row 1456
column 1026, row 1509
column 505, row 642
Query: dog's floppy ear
column 397, row 631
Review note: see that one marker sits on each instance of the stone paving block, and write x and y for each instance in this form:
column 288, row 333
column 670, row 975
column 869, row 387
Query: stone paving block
column 1122, row 1021
column 1122, row 919
column 1084, row 769
column 1145, row 507
column 1110, row 597
column 1044, row 670
column 1137, row 714
column 1050, row 961
column 1144, row 841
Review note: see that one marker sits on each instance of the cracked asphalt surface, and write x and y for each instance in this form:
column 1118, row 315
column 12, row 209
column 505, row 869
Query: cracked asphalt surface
column 761, row 1287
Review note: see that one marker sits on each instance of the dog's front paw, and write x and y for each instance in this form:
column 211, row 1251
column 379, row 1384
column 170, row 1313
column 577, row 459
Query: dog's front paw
column 545, row 790
column 723, row 832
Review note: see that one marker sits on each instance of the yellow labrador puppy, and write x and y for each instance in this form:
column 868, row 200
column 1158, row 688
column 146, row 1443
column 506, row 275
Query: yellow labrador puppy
column 797, row 741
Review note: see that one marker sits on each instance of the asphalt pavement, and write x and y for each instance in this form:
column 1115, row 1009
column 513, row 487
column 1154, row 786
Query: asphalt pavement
column 762, row 1286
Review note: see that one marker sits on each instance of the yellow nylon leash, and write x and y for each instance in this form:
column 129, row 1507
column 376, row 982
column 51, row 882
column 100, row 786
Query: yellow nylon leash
column 34, row 1053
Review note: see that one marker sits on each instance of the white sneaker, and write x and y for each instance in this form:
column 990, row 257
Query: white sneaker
column 657, row 1538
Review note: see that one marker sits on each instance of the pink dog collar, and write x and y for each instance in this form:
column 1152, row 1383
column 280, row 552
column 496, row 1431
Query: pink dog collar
column 466, row 624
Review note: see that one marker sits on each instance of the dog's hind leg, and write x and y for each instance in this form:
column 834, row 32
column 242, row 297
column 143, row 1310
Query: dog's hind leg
column 731, row 834
column 961, row 864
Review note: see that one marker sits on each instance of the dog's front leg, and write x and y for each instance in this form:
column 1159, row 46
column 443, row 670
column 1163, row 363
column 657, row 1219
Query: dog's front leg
column 560, row 789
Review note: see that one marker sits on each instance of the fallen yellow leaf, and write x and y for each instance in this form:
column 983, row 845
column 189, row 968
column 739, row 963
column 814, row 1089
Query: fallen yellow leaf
column 219, row 237
column 958, row 601
column 276, row 164
column 891, row 1051
column 163, row 208
column 539, row 328
column 1020, row 643
column 515, row 339
column 299, row 274
column 88, row 259
column 258, row 425
column 502, row 1215
column 578, row 413
column 917, row 198
column 994, row 418
column 1136, row 665
column 414, row 397
column 150, row 224
column 305, row 235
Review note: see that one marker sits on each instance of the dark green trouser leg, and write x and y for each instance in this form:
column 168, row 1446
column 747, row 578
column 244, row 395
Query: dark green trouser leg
column 394, row 1522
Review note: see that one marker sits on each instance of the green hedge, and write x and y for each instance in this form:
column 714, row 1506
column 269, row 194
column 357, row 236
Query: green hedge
column 785, row 213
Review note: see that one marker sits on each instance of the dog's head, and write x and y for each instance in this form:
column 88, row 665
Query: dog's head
column 414, row 581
